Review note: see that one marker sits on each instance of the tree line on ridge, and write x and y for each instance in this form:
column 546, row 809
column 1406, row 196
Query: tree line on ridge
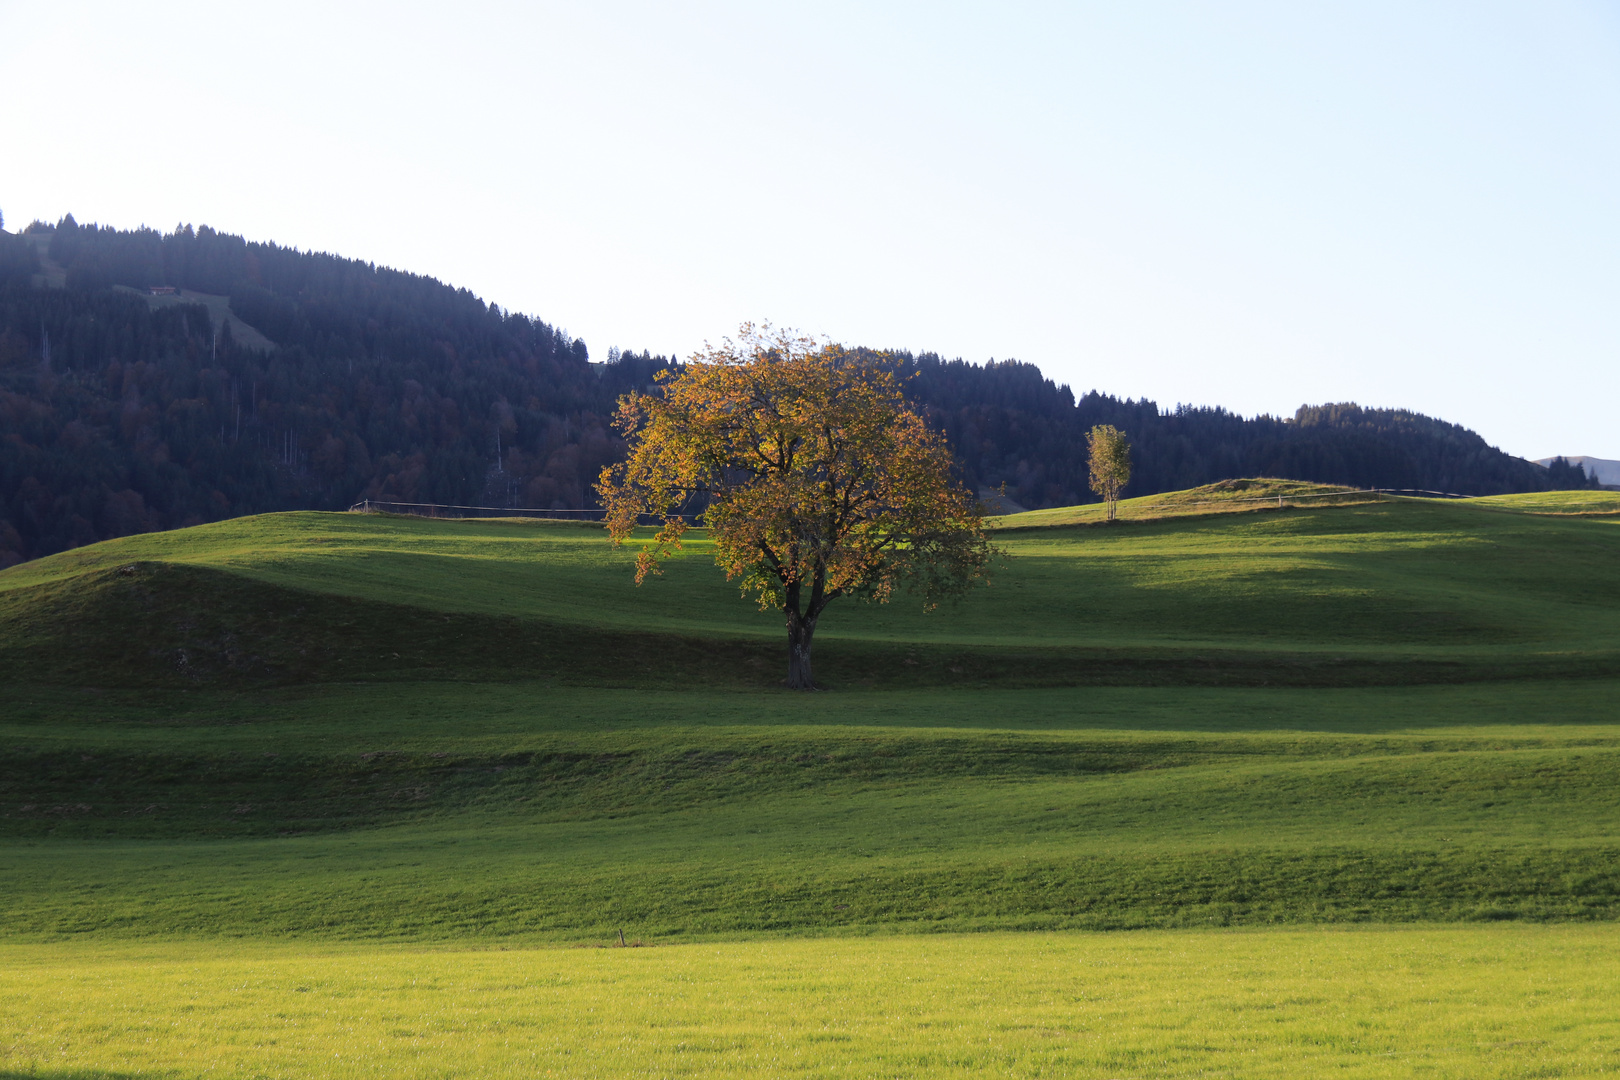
column 122, row 412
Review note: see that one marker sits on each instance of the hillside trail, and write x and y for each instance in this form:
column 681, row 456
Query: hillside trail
column 54, row 275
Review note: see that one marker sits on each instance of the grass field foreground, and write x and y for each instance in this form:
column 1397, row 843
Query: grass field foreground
column 331, row 794
column 1462, row 1002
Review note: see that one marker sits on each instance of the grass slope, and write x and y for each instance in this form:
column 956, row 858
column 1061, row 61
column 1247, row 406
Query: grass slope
column 1223, row 497
column 1388, row 592
column 353, row 815
column 269, row 741
column 1593, row 503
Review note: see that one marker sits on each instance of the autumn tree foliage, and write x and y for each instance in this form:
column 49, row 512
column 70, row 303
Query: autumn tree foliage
column 817, row 480
column 1109, row 457
column 335, row 380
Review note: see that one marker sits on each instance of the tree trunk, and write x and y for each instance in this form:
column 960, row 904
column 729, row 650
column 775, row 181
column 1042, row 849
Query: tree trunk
column 800, row 632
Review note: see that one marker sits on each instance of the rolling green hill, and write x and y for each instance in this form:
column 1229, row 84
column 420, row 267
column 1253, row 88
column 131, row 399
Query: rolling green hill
column 348, row 729
column 1587, row 503
column 1372, row 592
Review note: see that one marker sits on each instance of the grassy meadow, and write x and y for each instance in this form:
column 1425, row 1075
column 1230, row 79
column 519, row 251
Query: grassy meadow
column 1441, row 1002
column 1589, row 503
column 1338, row 782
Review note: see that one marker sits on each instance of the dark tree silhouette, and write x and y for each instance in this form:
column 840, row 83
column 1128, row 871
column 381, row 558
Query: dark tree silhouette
column 282, row 379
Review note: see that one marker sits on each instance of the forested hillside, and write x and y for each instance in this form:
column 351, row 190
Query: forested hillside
column 1009, row 424
column 266, row 378
column 124, row 412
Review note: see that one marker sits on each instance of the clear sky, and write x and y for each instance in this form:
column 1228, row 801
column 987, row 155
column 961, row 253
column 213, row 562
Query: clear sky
column 1253, row 205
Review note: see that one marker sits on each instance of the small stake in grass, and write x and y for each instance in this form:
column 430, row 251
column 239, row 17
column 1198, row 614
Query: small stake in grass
column 622, row 945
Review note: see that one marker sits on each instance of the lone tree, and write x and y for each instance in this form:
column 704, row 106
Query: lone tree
column 1110, row 459
column 819, row 480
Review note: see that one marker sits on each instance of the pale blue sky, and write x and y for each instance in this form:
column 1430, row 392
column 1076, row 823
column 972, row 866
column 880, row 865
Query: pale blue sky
column 1247, row 204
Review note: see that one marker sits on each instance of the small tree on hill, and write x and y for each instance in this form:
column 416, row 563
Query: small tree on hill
column 820, row 480
column 1110, row 459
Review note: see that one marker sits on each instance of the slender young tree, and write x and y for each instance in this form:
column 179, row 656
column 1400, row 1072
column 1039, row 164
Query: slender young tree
column 818, row 481
column 1110, row 458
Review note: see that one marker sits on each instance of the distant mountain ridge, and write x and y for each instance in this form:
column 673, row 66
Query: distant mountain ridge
column 150, row 380
column 1604, row 470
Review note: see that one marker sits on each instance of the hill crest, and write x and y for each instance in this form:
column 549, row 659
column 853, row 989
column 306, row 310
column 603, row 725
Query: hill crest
column 1360, row 593
column 127, row 412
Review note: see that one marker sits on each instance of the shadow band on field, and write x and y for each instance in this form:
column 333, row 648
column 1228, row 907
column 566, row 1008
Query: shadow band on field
column 156, row 624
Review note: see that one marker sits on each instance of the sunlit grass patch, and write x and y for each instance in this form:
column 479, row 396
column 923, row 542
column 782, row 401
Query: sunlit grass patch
column 1467, row 1002
column 1224, row 497
column 1556, row 502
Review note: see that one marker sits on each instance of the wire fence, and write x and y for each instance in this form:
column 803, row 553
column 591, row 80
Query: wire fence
column 1422, row 493
column 596, row 513
column 452, row 510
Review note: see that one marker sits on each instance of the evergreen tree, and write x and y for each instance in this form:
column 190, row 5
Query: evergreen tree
column 314, row 382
